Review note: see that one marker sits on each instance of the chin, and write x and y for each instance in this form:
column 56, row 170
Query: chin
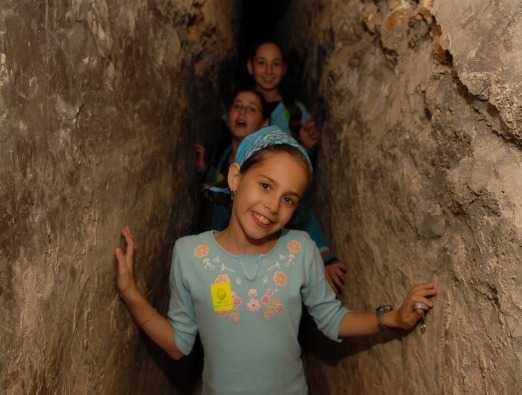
column 241, row 134
column 269, row 88
column 261, row 236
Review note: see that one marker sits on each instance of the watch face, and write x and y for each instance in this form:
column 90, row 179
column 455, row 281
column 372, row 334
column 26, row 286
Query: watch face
column 385, row 308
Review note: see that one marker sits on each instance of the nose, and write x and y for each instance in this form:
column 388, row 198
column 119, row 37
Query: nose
column 269, row 69
column 242, row 110
column 272, row 203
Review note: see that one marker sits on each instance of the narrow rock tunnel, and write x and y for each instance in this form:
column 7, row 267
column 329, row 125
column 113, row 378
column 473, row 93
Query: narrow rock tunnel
column 419, row 178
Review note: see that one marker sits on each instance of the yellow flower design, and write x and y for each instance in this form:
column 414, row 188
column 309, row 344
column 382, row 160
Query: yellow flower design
column 294, row 246
column 201, row 250
column 280, row 279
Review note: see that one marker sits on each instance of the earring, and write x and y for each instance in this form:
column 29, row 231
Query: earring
column 232, row 195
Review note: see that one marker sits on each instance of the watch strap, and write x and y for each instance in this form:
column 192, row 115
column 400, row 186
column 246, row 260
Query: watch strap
column 380, row 311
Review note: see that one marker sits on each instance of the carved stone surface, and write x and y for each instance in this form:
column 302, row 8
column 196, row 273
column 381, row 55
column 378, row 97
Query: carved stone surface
column 420, row 178
column 100, row 104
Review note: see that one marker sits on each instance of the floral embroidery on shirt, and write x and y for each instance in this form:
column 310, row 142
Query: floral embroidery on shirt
column 274, row 266
column 225, row 268
column 207, row 264
column 234, row 316
column 254, row 300
column 237, row 300
column 294, row 246
column 275, row 307
column 266, row 297
column 253, row 305
column 201, row 250
column 280, row 279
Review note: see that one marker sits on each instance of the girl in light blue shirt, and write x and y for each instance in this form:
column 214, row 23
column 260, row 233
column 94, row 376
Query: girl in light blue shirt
column 243, row 288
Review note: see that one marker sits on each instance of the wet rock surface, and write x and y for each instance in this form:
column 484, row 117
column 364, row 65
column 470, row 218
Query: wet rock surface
column 422, row 162
column 99, row 101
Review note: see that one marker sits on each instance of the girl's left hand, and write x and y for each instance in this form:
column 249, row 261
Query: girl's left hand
column 407, row 317
column 309, row 135
column 201, row 161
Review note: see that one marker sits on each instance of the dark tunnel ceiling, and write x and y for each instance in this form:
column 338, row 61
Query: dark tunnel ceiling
column 260, row 18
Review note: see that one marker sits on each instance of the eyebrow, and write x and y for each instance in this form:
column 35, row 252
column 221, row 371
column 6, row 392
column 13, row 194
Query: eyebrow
column 275, row 182
column 265, row 58
column 247, row 102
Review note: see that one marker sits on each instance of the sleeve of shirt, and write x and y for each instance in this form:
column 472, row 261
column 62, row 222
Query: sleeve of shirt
column 307, row 220
column 305, row 115
column 181, row 313
column 326, row 310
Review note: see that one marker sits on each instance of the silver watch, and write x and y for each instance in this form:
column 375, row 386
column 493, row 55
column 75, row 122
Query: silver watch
column 379, row 311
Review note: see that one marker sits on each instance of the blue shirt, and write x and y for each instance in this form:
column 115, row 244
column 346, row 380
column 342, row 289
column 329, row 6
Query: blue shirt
column 251, row 347
column 281, row 117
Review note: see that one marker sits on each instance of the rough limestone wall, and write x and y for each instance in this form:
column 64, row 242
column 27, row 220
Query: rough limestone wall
column 422, row 160
column 97, row 102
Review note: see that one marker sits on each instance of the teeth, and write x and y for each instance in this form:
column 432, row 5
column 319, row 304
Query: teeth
column 262, row 219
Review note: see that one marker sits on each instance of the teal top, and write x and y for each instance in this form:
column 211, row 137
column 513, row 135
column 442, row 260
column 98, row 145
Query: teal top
column 247, row 310
column 281, row 117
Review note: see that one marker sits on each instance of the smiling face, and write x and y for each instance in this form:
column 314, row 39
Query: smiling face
column 266, row 196
column 245, row 115
column 267, row 67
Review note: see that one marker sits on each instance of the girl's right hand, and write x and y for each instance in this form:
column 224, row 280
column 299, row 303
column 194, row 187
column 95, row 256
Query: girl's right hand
column 124, row 264
column 309, row 135
column 335, row 273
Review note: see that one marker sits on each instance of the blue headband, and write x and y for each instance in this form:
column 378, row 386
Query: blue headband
column 268, row 137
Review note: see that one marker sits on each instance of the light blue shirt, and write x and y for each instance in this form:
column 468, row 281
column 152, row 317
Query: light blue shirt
column 281, row 117
column 252, row 348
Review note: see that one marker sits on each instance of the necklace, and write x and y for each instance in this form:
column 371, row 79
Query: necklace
column 245, row 272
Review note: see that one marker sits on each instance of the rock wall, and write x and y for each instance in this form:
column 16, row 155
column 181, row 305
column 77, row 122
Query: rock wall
column 100, row 102
column 422, row 160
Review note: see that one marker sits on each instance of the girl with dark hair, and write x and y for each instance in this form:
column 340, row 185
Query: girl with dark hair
column 243, row 288
column 267, row 67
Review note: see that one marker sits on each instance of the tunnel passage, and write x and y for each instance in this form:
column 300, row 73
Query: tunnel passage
column 419, row 178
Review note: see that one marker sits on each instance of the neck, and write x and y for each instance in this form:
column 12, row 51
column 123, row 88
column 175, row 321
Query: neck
column 270, row 95
column 234, row 145
column 235, row 241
